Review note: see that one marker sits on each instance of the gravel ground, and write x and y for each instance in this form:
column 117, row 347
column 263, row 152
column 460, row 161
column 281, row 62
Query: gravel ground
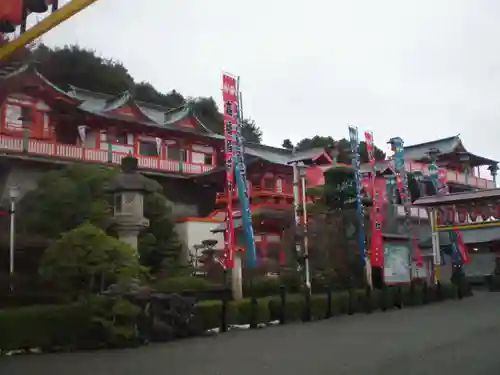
column 454, row 337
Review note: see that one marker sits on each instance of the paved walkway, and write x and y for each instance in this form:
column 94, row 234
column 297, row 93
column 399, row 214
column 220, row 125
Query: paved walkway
column 455, row 337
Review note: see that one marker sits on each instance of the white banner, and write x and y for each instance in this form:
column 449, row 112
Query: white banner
column 82, row 130
column 158, row 145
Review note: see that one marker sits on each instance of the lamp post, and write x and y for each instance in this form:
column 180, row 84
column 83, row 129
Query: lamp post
column 494, row 170
column 14, row 193
column 302, row 174
column 464, row 158
column 436, row 247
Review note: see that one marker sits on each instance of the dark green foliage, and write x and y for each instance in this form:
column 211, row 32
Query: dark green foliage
column 45, row 327
column 87, row 260
column 100, row 322
column 83, row 68
column 76, row 194
column 185, row 284
column 242, row 311
column 342, row 145
column 209, row 314
column 287, row 143
column 66, row 198
column 294, row 307
column 250, row 131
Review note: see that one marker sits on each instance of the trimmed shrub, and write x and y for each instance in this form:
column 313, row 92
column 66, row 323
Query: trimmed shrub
column 47, row 327
column 294, row 307
column 243, row 311
column 185, row 284
column 262, row 287
column 319, row 306
column 450, row 291
column 209, row 314
column 387, row 299
column 340, row 303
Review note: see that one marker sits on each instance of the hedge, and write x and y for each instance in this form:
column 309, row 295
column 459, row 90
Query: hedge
column 68, row 326
column 45, row 327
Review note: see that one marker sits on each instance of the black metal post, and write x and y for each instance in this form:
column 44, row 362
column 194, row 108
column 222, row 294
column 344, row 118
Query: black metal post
column 283, row 304
column 368, row 300
column 307, row 310
column 329, row 303
column 253, row 303
column 225, row 298
column 398, row 300
column 425, row 298
column 439, row 291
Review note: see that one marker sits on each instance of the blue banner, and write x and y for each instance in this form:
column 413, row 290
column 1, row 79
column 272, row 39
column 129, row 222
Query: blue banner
column 241, row 182
column 356, row 163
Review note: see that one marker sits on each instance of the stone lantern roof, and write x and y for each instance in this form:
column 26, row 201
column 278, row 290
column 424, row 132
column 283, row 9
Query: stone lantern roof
column 131, row 180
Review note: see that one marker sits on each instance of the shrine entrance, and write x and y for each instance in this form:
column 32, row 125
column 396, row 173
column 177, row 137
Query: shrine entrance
column 476, row 217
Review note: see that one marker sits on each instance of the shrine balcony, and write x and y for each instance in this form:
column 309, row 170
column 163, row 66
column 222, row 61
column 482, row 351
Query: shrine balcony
column 65, row 152
column 452, row 176
column 282, row 193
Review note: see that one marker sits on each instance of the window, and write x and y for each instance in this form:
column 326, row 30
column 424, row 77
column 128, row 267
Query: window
column 201, row 158
column 279, row 185
column 175, row 153
column 207, row 159
column 148, row 148
column 117, row 136
column 268, row 184
column 18, row 117
column 27, row 115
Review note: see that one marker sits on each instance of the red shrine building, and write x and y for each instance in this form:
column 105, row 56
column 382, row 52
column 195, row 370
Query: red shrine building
column 43, row 127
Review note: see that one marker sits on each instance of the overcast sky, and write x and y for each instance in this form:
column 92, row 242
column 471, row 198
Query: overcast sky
column 418, row 69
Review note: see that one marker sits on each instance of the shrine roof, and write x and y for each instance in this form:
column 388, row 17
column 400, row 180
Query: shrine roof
column 458, row 198
column 449, row 149
column 104, row 105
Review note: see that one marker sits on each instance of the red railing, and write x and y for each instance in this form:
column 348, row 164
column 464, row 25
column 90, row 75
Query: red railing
column 72, row 152
column 453, row 176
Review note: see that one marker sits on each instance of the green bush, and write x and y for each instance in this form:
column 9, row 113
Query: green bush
column 319, row 306
column 387, row 298
column 184, row 284
column 412, row 295
column 340, row 303
column 46, row 327
column 294, row 307
column 209, row 314
column 113, row 322
column 243, row 311
column 262, row 287
column 450, row 291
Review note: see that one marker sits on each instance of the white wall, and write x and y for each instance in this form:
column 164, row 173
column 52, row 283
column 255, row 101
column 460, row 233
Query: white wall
column 193, row 232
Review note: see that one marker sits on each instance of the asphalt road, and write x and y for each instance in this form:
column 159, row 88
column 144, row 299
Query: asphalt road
column 455, row 337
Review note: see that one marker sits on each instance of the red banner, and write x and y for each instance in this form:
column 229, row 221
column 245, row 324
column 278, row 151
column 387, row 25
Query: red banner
column 230, row 98
column 377, row 242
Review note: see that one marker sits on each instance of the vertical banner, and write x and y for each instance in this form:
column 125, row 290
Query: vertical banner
column 402, row 185
column 439, row 179
column 158, row 146
column 229, row 96
column 354, row 143
column 241, row 180
column 82, row 132
column 377, row 242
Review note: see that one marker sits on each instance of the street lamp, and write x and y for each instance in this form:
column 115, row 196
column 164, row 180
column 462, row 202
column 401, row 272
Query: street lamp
column 14, row 193
column 299, row 167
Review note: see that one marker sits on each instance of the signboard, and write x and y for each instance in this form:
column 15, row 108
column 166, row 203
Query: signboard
column 396, row 267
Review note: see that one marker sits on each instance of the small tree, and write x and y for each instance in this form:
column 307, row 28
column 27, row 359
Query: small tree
column 86, row 260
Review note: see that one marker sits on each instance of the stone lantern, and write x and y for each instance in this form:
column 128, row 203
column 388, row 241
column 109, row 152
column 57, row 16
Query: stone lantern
column 128, row 189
